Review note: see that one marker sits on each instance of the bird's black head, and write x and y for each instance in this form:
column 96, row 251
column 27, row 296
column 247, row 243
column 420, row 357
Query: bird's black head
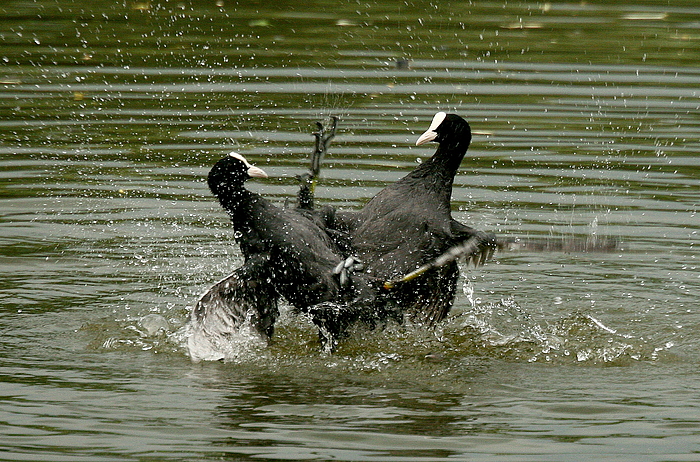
column 450, row 130
column 229, row 174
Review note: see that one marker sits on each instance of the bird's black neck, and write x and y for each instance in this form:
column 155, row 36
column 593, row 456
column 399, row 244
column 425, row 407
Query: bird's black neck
column 443, row 165
column 237, row 203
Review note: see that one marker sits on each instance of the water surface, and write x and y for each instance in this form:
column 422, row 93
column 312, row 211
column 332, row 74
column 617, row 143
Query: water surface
column 586, row 130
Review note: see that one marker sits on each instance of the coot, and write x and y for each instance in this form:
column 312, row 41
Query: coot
column 409, row 223
column 295, row 253
column 287, row 253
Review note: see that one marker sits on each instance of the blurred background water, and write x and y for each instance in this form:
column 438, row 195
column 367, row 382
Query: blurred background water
column 586, row 122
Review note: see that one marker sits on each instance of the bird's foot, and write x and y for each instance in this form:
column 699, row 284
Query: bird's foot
column 345, row 268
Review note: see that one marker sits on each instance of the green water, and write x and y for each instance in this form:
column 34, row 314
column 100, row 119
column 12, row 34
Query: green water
column 586, row 122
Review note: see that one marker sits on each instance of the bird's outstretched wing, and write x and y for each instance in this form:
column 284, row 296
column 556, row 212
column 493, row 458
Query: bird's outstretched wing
column 239, row 306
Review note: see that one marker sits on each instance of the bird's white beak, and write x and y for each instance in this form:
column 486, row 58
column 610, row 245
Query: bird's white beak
column 430, row 134
column 426, row 137
column 253, row 171
column 256, row 172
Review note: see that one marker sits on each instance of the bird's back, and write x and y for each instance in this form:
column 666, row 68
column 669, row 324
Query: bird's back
column 402, row 227
column 302, row 255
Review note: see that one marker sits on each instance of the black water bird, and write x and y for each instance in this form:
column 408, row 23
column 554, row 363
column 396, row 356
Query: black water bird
column 287, row 253
column 303, row 256
column 409, row 223
column 405, row 230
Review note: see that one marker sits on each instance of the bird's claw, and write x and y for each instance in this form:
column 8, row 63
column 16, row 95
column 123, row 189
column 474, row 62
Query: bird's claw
column 479, row 258
column 345, row 267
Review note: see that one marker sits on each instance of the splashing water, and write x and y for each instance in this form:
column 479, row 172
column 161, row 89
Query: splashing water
column 504, row 330
column 231, row 348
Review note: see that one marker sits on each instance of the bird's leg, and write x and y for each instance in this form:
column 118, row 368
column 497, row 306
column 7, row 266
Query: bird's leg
column 335, row 319
column 323, row 141
column 307, row 186
column 476, row 249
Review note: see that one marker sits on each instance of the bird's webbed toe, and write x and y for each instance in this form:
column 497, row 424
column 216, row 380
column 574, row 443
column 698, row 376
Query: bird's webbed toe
column 345, row 268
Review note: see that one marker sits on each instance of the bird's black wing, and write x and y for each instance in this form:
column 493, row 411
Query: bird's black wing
column 242, row 303
column 435, row 291
column 432, row 287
